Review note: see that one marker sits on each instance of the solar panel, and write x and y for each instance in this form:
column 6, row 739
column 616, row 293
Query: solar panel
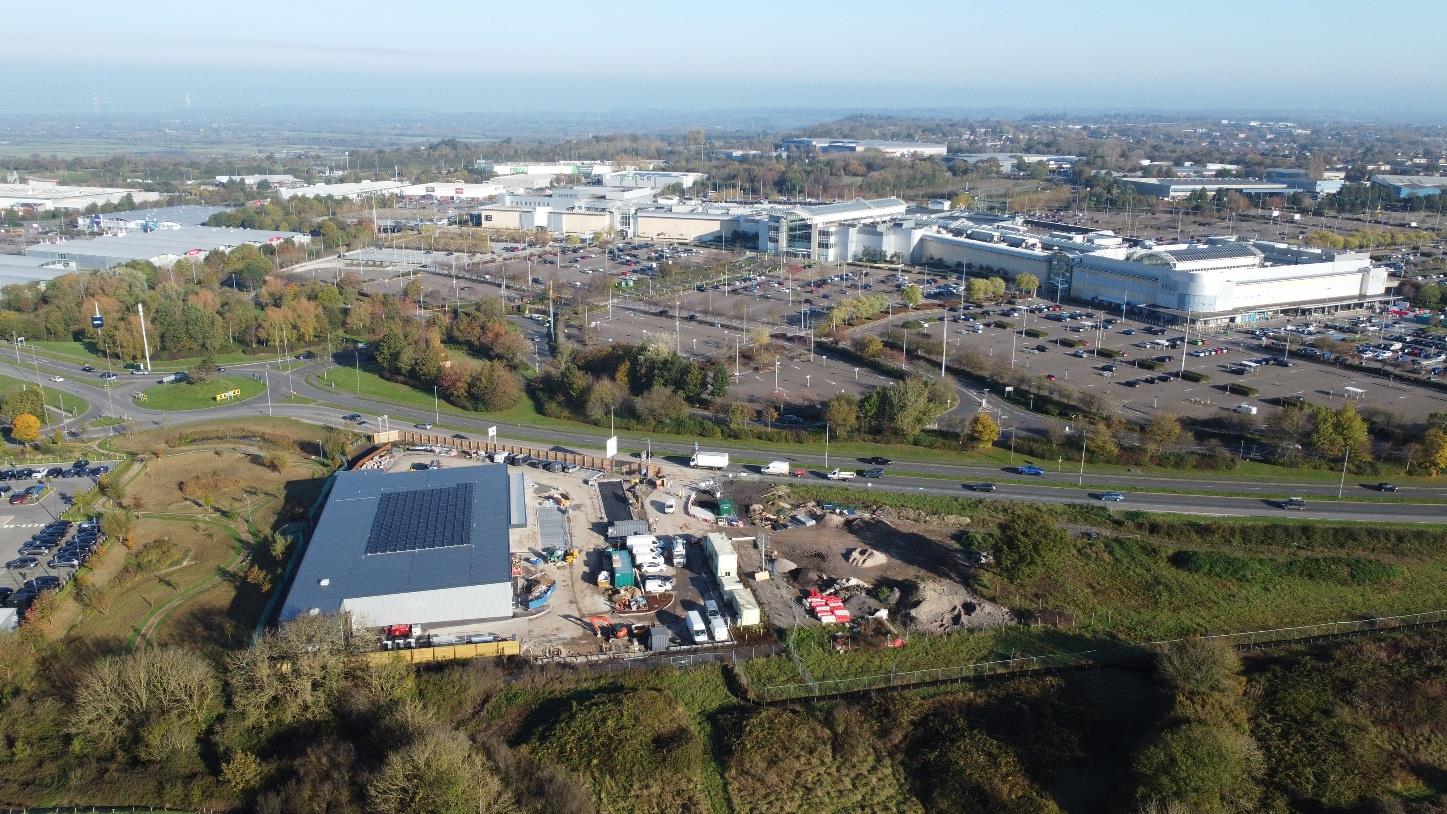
column 422, row 519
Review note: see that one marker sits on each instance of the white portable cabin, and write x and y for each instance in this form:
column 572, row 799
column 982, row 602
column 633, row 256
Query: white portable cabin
column 744, row 605
column 721, row 555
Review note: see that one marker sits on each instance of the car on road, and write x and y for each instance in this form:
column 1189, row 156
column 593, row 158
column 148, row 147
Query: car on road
column 1386, row 487
column 352, row 417
column 21, row 563
column 1030, row 469
column 876, row 472
column 87, row 368
column 57, row 378
column 19, row 498
column 109, row 377
column 876, row 460
column 1112, row 497
column 1293, row 503
column 981, row 487
column 423, row 426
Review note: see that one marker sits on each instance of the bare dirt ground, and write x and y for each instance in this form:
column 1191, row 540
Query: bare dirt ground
column 921, row 561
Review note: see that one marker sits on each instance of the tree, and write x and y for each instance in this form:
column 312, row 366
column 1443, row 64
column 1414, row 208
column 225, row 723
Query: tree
column 202, row 372
column 25, row 428
column 118, row 524
column 1434, row 451
column 1201, row 766
column 912, row 295
column 1336, row 432
column 659, row 407
column 962, row 200
column 1161, row 433
column 1100, row 441
column 739, row 415
column 977, row 290
column 153, row 704
column 868, row 346
column 842, row 415
column 437, row 773
column 1025, row 281
column 983, row 431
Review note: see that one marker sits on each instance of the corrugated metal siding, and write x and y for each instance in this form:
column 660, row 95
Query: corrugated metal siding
column 493, row 601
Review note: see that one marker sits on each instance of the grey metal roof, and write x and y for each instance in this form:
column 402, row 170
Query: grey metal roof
column 337, row 550
column 185, row 214
column 861, row 205
column 1219, row 251
column 161, row 243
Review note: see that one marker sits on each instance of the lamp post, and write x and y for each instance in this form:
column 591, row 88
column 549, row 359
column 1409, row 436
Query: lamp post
column 436, row 410
column 1081, row 480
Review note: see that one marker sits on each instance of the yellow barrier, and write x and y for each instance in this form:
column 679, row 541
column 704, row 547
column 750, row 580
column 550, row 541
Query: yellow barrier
column 450, row 652
column 229, row 394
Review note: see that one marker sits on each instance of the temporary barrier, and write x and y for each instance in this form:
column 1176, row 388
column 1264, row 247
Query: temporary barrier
column 450, row 652
column 229, row 394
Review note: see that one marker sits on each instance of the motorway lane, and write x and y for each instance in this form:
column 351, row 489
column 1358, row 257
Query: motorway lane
column 1064, row 490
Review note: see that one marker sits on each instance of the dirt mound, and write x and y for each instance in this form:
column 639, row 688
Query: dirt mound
column 865, row 558
column 936, row 606
column 832, row 521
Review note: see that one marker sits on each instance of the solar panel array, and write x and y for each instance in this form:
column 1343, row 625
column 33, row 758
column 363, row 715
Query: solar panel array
column 422, row 519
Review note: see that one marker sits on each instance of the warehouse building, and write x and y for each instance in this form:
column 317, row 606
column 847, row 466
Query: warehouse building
column 44, row 195
column 357, row 190
column 163, row 246
column 148, row 220
column 1411, row 186
column 430, row 548
column 456, row 191
column 650, row 179
column 16, row 269
column 897, row 149
column 1174, row 188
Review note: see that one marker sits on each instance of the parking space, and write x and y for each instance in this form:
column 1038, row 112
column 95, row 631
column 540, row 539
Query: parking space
column 40, row 549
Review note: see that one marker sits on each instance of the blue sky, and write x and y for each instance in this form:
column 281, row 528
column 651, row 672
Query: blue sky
column 448, row 55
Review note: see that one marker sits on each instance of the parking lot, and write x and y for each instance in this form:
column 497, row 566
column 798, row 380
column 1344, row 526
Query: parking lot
column 52, row 551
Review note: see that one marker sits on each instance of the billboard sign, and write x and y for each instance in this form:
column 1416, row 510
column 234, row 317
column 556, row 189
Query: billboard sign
column 610, row 449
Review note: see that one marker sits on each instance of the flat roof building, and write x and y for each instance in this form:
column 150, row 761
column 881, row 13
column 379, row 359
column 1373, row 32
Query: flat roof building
column 17, row 268
column 898, row 149
column 43, row 195
column 1170, row 188
column 359, row 189
column 162, row 246
column 453, row 191
column 427, row 547
column 1411, row 186
column 185, row 215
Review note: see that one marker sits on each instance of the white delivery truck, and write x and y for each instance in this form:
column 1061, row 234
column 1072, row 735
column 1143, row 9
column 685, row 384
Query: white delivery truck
column 709, row 460
column 1243, row 407
column 696, row 628
column 842, row 474
column 776, row 468
column 719, row 628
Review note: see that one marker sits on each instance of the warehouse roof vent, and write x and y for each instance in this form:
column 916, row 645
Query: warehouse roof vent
column 324, row 582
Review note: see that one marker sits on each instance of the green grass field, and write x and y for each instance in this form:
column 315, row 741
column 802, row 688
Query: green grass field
column 189, row 396
column 81, row 353
column 71, row 404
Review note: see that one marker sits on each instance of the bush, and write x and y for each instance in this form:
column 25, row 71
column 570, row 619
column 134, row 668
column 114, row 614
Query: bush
column 1108, row 353
column 1034, row 333
column 1067, row 342
column 1194, row 376
column 1238, row 389
column 1147, row 364
column 1003, row 325
column 1348, row 570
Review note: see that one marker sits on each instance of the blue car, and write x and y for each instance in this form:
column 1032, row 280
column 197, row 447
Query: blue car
column 1031, row 469
column 1113, row 497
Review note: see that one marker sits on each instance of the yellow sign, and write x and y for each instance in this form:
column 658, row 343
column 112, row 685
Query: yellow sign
column 229, row 394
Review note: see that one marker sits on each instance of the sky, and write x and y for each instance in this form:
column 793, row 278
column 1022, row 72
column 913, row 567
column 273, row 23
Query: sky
column 1332, row 56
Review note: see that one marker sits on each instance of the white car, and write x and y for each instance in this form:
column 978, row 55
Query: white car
column 652, row 567
column 657, row 584
column 57, row 378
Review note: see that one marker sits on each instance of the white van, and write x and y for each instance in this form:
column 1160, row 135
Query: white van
column 696, row 628
column 670, row 505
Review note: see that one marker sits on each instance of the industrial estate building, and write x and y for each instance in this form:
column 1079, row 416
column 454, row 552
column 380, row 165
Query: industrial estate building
column 16, row 269
column 353, row 190
column 43, row 195
column 1411, row 186
column 430, row 547
column 1181, row 187
column 898, row 149
column 162, row 246
column 164, row 217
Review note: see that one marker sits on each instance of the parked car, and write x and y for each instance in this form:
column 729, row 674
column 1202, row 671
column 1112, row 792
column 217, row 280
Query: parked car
column 45, row 583
column 19, row 498
column 21, row 563
column 63, row 560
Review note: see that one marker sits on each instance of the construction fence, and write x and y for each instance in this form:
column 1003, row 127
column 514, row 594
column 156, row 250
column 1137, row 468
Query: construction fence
column 406, row 438
column 1126, row 651
column 449, row 652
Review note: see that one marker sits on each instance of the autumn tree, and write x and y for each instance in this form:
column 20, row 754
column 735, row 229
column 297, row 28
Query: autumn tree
column 841, row 413
column 983, row 431
column 25, row 428
column 1025, row 281
column 912, row 295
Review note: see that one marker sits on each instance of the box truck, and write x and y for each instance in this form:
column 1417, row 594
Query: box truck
column 842, row 474
column 709, row 460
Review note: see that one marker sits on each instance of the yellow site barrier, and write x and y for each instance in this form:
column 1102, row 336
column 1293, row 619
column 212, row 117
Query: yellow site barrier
column 450, row 652
column 229, row 394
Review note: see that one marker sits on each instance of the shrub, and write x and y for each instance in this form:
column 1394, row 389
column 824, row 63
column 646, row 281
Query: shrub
column 1108, row 353
column 1034, row 333
column 1238, row 389
column 1194, row 376
column 1067, row 342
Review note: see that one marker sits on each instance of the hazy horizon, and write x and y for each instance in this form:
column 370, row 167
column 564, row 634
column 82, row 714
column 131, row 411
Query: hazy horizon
column 1287, row 57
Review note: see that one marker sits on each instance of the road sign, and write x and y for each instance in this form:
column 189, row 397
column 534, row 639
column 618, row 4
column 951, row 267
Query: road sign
column 491, row 433
column 610, row 449
column 97, row 322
